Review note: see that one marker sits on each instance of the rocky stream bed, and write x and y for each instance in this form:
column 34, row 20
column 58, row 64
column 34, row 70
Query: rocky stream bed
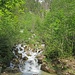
column 62, row 67
column 59, row 66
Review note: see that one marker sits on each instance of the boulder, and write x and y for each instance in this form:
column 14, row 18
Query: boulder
column 15, row 61
column 40, row 58
column 25, row 58
column 40, row 61
column 10, row 70
column 44, row 67
column 15, row 70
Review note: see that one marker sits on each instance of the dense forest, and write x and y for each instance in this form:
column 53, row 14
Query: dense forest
column 53, row 22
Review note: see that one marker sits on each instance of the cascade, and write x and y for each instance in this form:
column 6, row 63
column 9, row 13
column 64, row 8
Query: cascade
column 26, row 59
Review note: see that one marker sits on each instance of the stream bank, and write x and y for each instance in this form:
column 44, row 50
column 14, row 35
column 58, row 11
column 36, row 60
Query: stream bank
column 43, row 73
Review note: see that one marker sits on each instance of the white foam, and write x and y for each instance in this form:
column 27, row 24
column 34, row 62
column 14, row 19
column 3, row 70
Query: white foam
column 30, row 66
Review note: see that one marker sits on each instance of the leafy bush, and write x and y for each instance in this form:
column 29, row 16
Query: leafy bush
column 54, row 54
column 58, row 29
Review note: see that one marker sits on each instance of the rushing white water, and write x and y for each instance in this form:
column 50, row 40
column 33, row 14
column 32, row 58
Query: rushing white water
column 30, row 66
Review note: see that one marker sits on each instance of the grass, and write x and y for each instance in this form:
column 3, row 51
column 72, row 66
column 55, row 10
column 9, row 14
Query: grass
column 45, row 73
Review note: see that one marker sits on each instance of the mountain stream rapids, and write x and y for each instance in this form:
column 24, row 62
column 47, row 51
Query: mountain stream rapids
column 27, row 59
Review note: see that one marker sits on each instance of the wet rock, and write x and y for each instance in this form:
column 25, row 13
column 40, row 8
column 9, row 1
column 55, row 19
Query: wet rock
column 25, row 58
column 15, row 70
column 8, row 69
column 40, row 61
column 20, row 56
column 15, row 61
column 28, row 54
column 15, row 51
column 44, row 67
column 40, row 58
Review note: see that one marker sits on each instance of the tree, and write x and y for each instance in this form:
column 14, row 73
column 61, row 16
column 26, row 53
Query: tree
column 8, row 26
column 58, row 29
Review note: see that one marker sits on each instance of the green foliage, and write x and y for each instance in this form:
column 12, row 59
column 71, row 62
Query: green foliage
column 15, row 26
column 54, row 54
column 59, row 29
column 20, row 19
column 8, row 29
